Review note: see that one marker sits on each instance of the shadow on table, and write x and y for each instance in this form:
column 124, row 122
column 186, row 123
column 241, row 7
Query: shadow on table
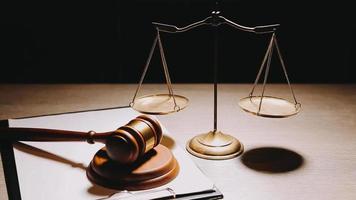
column 168, row 142
column 94, row 189
column 101, row 191
column 47, row 155
column 272, row 159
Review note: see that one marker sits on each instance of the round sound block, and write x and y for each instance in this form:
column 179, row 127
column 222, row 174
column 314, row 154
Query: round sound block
column 157, row 167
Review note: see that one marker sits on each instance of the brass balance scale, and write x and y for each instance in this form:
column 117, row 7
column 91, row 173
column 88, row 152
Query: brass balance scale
column 133, row 158
column 215, row 144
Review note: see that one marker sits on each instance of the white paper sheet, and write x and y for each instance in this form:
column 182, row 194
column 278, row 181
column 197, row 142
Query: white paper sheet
column 56, row 170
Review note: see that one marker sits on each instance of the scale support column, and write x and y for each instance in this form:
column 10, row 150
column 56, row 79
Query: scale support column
column 215, row 145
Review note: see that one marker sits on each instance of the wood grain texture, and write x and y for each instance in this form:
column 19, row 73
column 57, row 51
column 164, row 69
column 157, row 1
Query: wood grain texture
column 323, row 134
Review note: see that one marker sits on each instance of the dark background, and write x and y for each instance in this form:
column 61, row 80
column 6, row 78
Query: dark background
column 109, row 41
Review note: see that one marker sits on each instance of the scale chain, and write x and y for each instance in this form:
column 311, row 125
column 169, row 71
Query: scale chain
column 262, row 66
column 145, row 70
column 284, row 70
column 266, row 75
column 166, row 71
column 164, row 63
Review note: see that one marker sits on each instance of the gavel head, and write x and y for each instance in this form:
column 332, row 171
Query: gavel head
column 133, row 140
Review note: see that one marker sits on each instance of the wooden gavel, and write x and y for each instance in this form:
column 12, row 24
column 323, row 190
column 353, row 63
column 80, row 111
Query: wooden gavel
column 124, row 145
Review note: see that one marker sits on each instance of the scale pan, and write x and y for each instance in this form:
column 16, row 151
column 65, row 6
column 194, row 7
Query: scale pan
column 271, row 106
column 159, row 104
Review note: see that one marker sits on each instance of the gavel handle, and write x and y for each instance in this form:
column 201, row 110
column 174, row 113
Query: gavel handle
column 38, row 134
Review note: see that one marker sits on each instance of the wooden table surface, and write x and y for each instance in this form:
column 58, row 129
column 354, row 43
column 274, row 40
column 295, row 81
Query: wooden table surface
column 308, row 156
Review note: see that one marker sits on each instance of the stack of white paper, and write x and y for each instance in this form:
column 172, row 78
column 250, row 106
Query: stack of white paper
column 56, row 170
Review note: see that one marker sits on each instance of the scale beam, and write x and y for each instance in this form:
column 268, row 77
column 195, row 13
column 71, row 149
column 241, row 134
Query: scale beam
column 215, row 20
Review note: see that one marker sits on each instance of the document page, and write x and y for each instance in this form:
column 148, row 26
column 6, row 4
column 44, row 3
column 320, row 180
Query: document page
column 57, row 170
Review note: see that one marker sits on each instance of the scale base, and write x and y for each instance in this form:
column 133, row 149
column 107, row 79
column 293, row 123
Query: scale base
column 214, row 145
